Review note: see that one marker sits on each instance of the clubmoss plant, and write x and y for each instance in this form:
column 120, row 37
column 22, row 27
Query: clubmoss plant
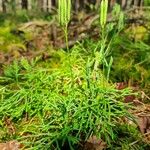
column 100, row 55
column 46, row 111
column 103, row 48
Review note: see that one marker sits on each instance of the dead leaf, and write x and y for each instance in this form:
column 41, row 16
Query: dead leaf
column 121, row 85
column 11, row 145
column 93, row 143
column 10, row 126
column 144, row 124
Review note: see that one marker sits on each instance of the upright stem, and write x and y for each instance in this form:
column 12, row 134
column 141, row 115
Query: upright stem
column 66, row 37
column 103, row 52
column 67, row 46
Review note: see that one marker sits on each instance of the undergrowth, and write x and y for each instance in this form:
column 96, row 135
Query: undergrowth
column 9, row 41
column 133, row 68
column 51, row 105
column 131, row 60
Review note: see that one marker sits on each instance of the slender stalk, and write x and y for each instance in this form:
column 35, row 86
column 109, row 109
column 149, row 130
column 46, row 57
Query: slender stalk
column 66, row 37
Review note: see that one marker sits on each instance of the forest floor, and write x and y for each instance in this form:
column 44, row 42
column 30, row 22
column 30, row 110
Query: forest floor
column 37, row 45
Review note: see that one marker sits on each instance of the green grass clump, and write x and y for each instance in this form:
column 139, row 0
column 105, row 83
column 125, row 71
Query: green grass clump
column 51, row 106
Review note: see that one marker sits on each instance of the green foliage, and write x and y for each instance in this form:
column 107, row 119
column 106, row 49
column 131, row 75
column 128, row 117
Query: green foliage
column 133, row 68
column 103, row 48
column 22, row 16
column 66, row 101
column 8, row 40
column 130, row 60
column 58, row 111
column 146, row 2
column 127, row 135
